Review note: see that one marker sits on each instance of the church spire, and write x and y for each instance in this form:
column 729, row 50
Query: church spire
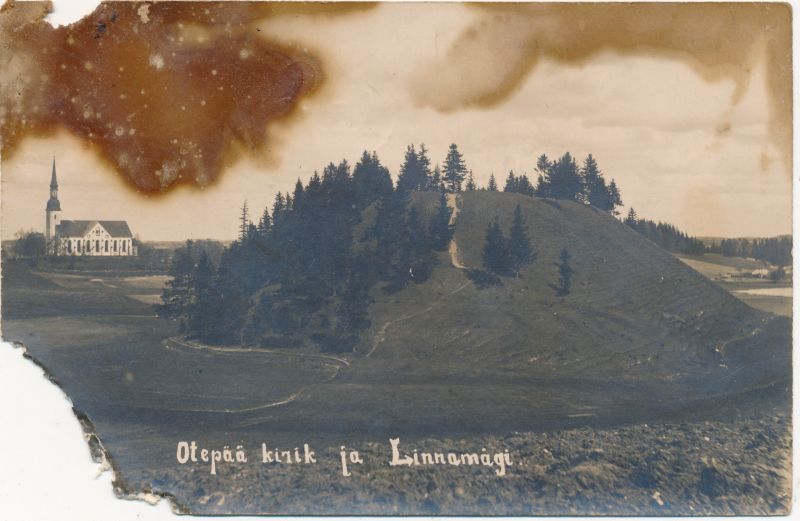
column 53, row 204
column 53, row 180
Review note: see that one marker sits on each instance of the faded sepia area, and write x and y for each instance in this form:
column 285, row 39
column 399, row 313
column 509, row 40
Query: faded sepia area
column 556, row 231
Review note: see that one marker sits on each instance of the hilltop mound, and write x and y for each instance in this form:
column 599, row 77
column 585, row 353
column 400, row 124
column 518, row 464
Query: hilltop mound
column 639, row 329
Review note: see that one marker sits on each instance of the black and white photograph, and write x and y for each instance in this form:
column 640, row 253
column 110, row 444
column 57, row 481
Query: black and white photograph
column 440, row 259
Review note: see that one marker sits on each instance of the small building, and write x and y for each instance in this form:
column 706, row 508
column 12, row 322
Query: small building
column 84, row 238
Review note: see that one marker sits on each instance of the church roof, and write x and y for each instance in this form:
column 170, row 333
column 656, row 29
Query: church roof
column 118, row 229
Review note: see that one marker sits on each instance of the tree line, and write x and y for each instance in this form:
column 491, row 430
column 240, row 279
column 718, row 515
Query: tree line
column 775, row 250
column 665, row 235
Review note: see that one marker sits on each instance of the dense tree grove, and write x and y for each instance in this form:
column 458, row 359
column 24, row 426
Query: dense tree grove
column 775, row 250
column 303, row 271
column 562, row 178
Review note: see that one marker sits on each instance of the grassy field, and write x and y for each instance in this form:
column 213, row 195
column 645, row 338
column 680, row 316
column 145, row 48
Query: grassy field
column 727, row 272
column 459, row 359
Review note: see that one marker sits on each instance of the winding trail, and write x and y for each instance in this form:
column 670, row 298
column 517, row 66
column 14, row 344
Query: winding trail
column 174, row 343
column 452, row 203
column 380, row 336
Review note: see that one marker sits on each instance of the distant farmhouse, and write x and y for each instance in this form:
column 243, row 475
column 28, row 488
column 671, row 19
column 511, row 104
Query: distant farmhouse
column 84, row 238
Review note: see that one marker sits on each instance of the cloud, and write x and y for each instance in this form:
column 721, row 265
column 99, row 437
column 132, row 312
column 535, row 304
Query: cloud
column 492, row 57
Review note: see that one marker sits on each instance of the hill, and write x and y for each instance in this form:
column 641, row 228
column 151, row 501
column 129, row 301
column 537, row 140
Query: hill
column 640, row 331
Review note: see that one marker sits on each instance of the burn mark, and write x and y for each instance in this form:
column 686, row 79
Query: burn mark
column 166, row 93
column 490, row 59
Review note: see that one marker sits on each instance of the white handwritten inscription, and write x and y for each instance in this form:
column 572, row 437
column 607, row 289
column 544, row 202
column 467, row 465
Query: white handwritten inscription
column 500, row 460
column 189, row 452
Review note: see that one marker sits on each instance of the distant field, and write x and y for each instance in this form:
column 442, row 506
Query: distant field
column 720, row 268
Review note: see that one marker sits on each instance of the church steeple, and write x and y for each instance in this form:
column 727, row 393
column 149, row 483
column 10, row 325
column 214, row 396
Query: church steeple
column 53, row 204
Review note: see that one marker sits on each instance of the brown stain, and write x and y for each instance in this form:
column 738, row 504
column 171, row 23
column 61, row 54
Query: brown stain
column 164, row 92
column 718, row 40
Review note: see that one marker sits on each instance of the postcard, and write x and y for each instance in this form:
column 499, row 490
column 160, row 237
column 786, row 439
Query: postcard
column 409, row 258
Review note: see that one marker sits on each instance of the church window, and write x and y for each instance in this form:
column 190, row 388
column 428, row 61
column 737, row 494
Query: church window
column 106, row 245
column 97, row 245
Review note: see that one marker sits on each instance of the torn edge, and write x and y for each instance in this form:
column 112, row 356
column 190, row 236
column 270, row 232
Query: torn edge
column 100, row 455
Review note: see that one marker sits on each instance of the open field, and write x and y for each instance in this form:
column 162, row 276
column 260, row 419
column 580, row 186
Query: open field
column 773, row 297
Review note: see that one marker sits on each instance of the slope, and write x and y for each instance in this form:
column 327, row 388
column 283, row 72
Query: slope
column 639, row 331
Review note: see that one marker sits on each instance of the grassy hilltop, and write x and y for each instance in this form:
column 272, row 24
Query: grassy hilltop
column 640, row 330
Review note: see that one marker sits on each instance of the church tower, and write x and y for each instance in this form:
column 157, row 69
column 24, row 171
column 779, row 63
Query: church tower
column 52, row 213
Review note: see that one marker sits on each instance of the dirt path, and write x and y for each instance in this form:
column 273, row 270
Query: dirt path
column 452, row 202
column 229, row 349
column 337, row 363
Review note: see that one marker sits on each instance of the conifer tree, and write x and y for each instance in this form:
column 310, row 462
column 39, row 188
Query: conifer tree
column 631, row 218
column 492, row 186
column 410, row 177
column 177, row 293
column 441, row 230
column 595, row 191
column 614, row 197
column 470, row 186
column 278, row 208
column 371, row 180
column 520, row 250
column 203, row 306
column 425, row 170
column 454, row 169
column 543, row 166
column 265, row 223
column 564, row 273
column 524, row 186
column 496, row 257
column 511, row 183
column 244, row 220
column 436, row 183
column 563, row 178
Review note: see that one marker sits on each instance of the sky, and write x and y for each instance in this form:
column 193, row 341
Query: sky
column 683, row 148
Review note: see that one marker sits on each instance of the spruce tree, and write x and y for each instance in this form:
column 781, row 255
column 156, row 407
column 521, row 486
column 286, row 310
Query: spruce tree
column 411, row 176
column 177, row 293
column 524, row 186
column 454, row 169
column 244, row 220
column 265, row 223
column 564, row 273
column 492, row 186
column 520, row 250
column 496, row 257
column 441, row 230
column 563, row 180
column 203, row 307
column 511, row 183
column 436, row 183
column 543, row 166
column 614, row 197
column 371, row 180
column 594, row 186
column 470, row 186
column 426, row 182
column 631, row 218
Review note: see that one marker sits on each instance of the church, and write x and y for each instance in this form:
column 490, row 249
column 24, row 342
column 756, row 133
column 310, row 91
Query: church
column 84, row 238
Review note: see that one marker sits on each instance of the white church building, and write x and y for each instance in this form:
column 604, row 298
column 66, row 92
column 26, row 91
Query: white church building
column 84, row 238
